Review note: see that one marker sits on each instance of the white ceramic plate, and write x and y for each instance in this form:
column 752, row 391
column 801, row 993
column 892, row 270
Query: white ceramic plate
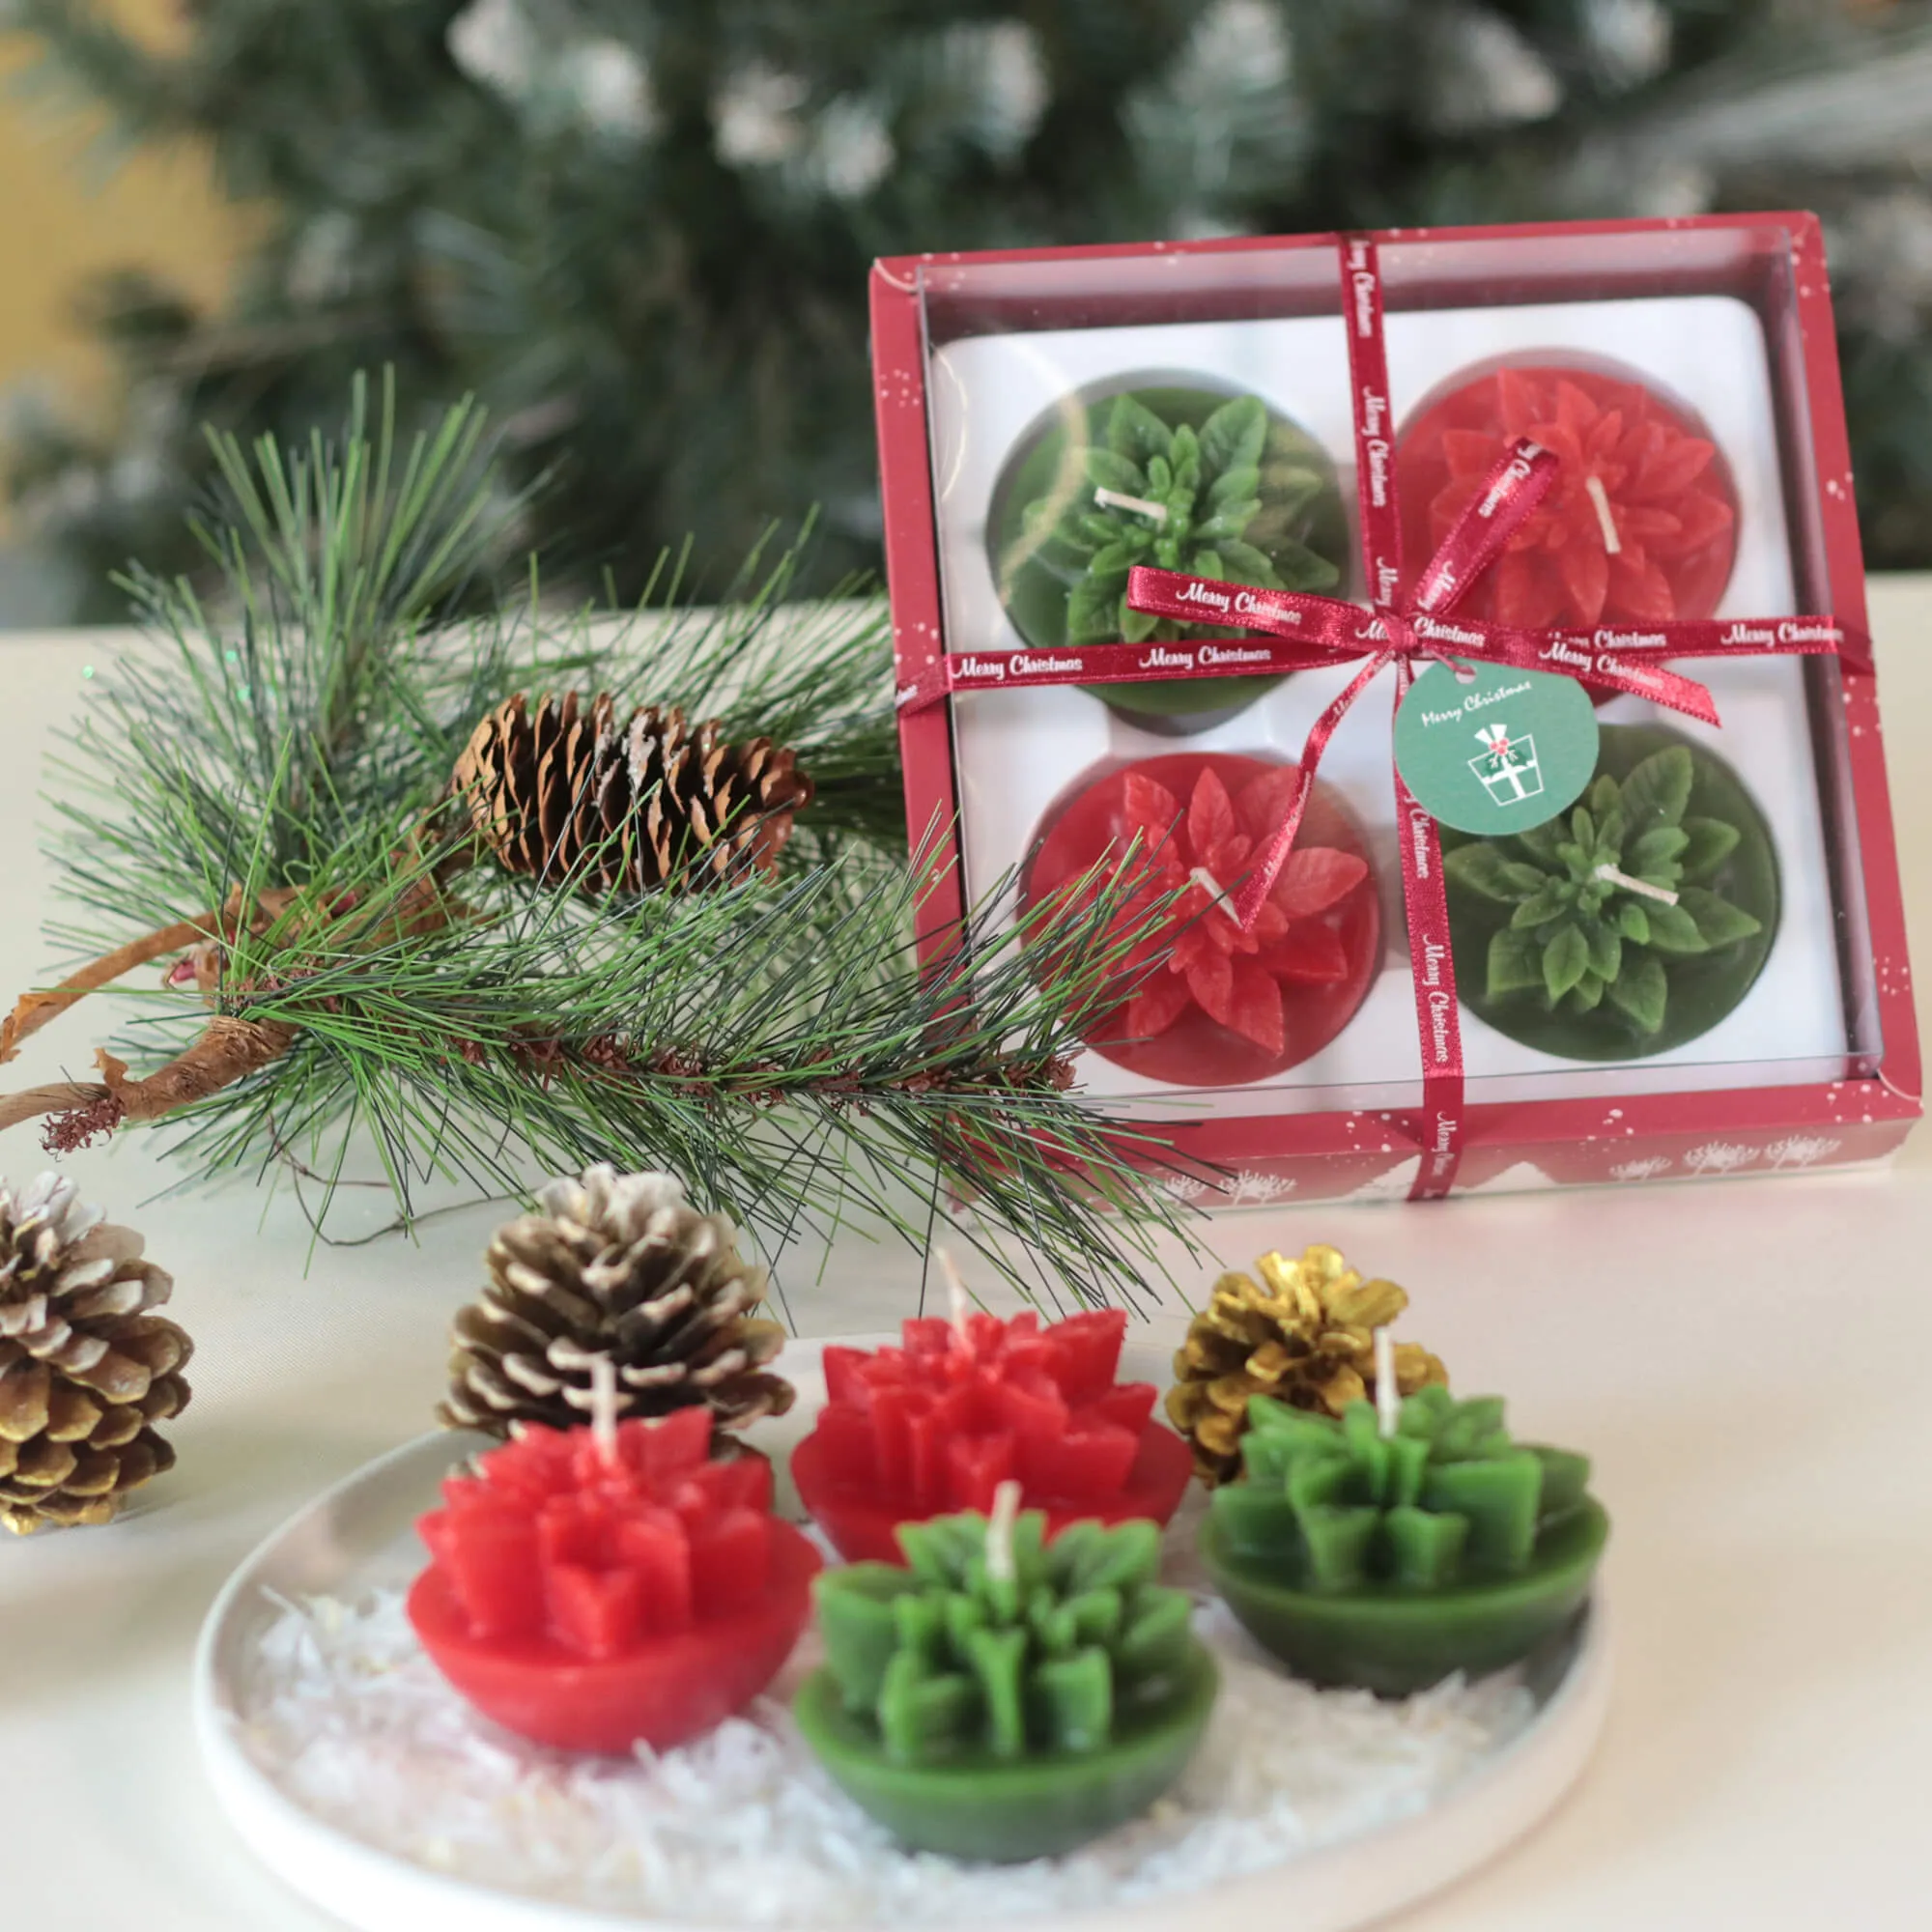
column 360, row 1536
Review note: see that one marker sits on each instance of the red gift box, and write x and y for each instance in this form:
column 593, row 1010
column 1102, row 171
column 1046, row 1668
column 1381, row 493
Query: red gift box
column 1578, row 330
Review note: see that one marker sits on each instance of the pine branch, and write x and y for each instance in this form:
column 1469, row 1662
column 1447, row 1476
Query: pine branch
column 332, row 684
column 97, row 58
column 323, row 686
column 689, row 1033
column 267, row 797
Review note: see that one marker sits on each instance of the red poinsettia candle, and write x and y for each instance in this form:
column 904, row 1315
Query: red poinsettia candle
column 596, row 1589
column 936, row 1425
column 1205, row 1002
column 1640, row 526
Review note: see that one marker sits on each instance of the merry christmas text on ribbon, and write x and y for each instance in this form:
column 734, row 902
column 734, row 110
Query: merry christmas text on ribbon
column 1320, row 630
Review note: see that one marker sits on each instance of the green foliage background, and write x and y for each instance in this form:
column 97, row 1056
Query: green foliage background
column 639, row 229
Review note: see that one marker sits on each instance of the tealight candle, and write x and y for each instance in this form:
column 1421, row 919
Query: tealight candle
column 964, row 1406
column 1003, row 1697
column 1203, row 1000
column 1230, row 487
column 596, row 1588
column 1639, row 526
column 1387, row 1560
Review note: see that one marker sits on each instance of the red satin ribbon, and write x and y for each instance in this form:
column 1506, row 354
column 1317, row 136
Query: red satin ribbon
column 1311, row 631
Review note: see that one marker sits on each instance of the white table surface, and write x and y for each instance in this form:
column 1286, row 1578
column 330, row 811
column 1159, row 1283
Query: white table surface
column 1747, row 1360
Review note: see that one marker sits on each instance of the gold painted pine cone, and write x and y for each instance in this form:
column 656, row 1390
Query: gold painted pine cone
column 564, row 790
column 617, row 1266
column 86, row 1369
column 1305, row 1334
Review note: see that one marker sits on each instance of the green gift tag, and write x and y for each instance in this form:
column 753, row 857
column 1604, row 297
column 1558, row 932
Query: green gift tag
column 1496, row 750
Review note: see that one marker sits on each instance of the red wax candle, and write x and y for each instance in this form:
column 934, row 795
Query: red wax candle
column 1639, row 526
column 938, row 1424
column 597, row 1601
column 1223, row 1006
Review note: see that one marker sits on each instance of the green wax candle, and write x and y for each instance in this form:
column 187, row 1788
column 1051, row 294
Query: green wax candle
column 1628, row 925
column 1002, row 1697
column 1182, row 476
column 1389, row 1551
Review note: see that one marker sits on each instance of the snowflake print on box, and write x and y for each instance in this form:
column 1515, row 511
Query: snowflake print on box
column 1641, row 525
column 1801, row 1150
column 1250, row 1188
column 1225, row 1006
column 1648, row 1168
column 1721, row 1157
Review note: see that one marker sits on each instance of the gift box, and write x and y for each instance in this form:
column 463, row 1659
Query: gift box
column 1173, row 530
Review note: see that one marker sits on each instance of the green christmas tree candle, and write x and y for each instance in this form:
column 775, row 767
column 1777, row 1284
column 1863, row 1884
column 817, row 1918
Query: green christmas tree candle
column 1387, row 1550
column 1002, row 1697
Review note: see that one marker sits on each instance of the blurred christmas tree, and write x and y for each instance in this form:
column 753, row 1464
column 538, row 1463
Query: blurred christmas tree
column 639, row 229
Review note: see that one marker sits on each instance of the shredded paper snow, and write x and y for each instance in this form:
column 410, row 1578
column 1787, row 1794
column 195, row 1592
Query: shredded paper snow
column 348, row 1716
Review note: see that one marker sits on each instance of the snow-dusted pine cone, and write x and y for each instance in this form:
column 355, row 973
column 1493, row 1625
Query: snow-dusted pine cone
column 565, row 790
column 86, row 1369
column 617, row 1266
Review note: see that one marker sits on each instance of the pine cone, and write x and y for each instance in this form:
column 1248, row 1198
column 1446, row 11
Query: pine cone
column 567, row 793
column 618, row 1266
column 1306, row 1338
column 85, row 1370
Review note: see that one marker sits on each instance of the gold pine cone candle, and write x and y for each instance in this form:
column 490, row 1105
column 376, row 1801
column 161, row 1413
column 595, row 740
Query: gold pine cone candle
column 616, row 1267
column 1305, row 1334
column 87, row 1369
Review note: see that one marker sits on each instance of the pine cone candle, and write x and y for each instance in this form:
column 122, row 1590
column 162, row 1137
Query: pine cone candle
column 86, row 1370
column 1306, row 1337
column 619, row 1267
column 566, row 792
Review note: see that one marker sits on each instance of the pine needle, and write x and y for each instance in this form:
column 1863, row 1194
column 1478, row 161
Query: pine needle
column 777, row 1043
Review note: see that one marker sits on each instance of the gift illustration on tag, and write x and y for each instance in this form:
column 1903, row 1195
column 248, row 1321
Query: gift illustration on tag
column 1507, row 767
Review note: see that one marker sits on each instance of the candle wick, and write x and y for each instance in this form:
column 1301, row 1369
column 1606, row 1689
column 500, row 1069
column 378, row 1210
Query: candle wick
column 604, row 1407
column 960, row 1301
column 1213, row 887
column 1662, row 895
column 1000, row 1565
column 1118, row 499
column 1599, row 496
column 1389, row 1397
